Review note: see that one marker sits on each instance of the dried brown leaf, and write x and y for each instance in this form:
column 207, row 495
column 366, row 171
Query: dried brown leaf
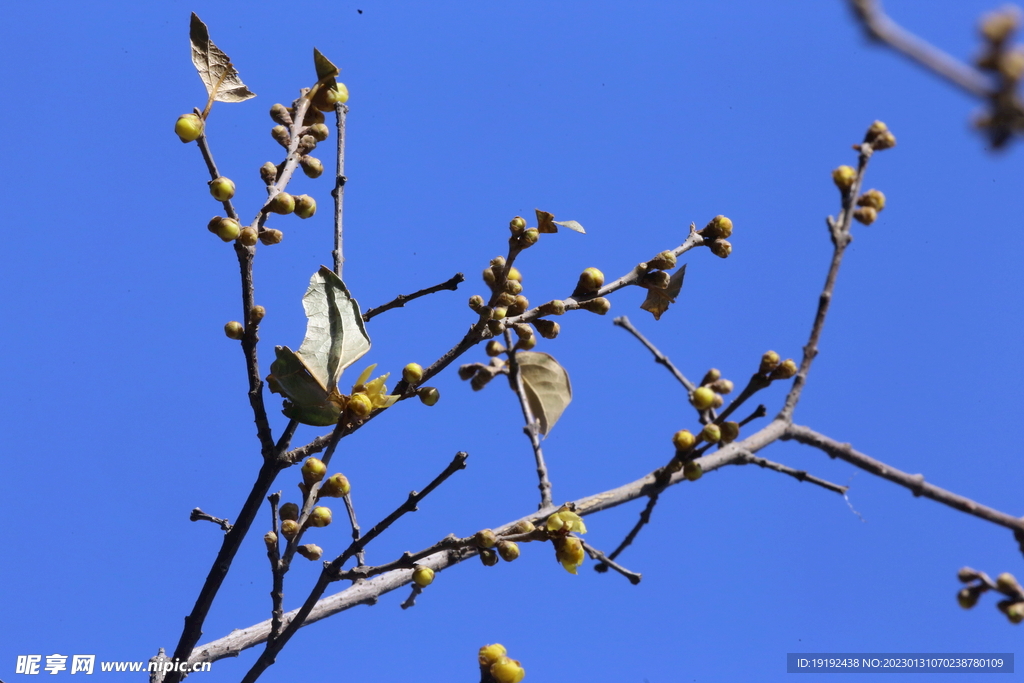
column 658, row 300
column 215, row 69
column 547, row 387
column 324, row 67
column 545, row 221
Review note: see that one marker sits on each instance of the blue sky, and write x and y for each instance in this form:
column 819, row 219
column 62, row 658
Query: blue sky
column 124, row 407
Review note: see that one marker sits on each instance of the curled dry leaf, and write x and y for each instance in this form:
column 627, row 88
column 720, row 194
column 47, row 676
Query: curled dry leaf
column 546, row 223
column 219, row 76
column 335, row 338
column 658, row 300
column 547, row 387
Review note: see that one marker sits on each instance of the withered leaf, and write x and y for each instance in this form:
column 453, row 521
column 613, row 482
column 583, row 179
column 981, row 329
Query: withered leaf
column 658, row 300
column 219, row 76
column 547, row 387
column 546, row 223
column 324, row 67
column 572, row 225
column 335, row 338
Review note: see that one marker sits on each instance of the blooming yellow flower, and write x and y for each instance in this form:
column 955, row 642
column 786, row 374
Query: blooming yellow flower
column 374, row 393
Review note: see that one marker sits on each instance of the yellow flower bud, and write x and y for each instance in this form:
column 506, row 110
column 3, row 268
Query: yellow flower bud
column 485, row 538
column 289, row 529
column 423, row 576
column 336, row 486
column 428, row 395
column 693, row 471
column 702, row 398
column 873, row 198
column 508, row 550
column 313, row 470
column 769, row 361
column 711, row 433
column 413, row 373
column 310, row 551
column 507, row 670
column 234, row 330
column 222, row 189
column 730, row 431
column 188, row 127
column 600, row 305
column 360, row 405
column 785, row 370
column 844, row 177
column 683, row 440
column 489, row 654
column 320, row 516
column 865, row 215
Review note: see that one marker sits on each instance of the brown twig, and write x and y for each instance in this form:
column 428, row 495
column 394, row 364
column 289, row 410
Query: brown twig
column 659, row 357
column 914, row 482
column 532, row 428
column 999, row 91
column 883, row 29
column 604, row 562
column 340, row 112
column 839, row 231
column 799, row 475
column 274, row 555
column 361, row 555
column 399, row 301
column 198, row 515
column 411, row 600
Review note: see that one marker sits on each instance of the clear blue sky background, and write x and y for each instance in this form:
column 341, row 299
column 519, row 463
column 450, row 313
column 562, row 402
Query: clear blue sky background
column 123, row 404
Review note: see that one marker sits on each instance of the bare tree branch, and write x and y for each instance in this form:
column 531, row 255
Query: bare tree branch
column 605, row 562
column 532, row 428
column 659, row 357
column 914, row 482
column 401, row 300
column 340, row 112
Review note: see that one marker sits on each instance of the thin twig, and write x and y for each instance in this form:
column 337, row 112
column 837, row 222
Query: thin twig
column 659, row 357
column 361, row 555
column 914, row 482
column 411, row 600
column 532, row 428
column 645, row 517
column 605, row 562
column 799, row 475
column 841, row 238
column 881, row 28
column 274, row 555
column 340, row 112
column 331, row 571
column 198, row 515
column 402, row 299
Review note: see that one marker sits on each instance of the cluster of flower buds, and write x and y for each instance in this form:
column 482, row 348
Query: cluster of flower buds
column 522, row 237
column 869, row 205
column 412, row 374
column 497, row 667
column 715, row 235
column 977, row 583
column 708, row 396
column 773, row 368
column 998, row 55
column 879, row 137
column 478, row 374
column 336, row 486
column 492, row 547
